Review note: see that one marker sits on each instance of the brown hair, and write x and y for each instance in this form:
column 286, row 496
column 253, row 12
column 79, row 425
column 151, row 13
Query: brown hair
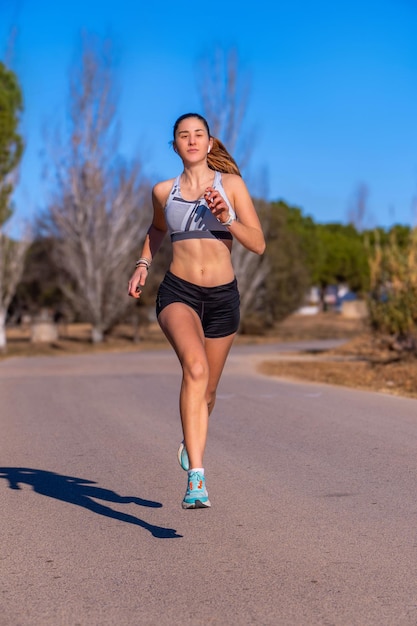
column 218, row 158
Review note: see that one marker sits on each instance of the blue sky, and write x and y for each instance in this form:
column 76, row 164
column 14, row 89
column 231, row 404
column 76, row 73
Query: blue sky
column 333, row 97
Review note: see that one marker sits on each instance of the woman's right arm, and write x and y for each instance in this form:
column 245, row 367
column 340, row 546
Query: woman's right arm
column 153, row 239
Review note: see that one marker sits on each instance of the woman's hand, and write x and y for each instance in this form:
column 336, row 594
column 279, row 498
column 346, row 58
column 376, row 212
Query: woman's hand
column 217, row 204
column 137, row 282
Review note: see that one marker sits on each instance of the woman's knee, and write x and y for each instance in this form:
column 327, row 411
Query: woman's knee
column 196, row 370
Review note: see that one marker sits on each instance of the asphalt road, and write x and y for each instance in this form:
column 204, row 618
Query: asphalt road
column 313, row 491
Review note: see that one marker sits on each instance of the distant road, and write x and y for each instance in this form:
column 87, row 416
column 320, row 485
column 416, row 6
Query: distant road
column 313, row 491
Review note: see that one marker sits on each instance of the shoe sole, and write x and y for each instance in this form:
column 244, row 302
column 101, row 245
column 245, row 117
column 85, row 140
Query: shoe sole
column 197, row 504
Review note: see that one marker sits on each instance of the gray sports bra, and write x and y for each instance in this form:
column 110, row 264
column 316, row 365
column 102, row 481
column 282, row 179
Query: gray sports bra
column 193, row 219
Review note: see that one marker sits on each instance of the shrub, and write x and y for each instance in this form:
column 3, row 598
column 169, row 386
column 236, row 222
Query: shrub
column 392, row 302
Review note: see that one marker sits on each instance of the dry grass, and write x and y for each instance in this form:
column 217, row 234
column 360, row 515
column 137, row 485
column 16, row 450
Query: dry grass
column 361, row 363
column 394, row 378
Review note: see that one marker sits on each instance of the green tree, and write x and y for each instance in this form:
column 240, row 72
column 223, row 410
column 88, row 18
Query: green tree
column 11, row 148
column 341, row 258
column 11, row 142
column 332, row 253
column 305, row 230
column 287, row 278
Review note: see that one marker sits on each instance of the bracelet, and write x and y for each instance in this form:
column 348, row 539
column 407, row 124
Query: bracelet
column 143, row 261
column 229, row 222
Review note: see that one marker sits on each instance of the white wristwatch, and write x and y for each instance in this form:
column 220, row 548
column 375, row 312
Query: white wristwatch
column 229, row 221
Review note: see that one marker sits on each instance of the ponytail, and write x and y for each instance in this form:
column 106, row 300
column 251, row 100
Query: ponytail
column 219, row 159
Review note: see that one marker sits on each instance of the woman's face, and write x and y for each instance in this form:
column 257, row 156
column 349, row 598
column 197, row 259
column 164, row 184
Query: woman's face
column 192, row 142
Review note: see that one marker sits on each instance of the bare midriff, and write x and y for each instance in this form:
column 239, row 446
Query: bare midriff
column 204, row 262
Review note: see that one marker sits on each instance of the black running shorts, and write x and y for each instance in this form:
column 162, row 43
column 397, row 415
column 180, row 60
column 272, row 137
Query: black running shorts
column 217, row 307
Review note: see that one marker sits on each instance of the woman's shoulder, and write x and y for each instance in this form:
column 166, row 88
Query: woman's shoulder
column 162, row 189
column 163, row 185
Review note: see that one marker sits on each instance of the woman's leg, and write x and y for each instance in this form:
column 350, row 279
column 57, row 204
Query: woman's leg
column 216, row 352
column 183, row 330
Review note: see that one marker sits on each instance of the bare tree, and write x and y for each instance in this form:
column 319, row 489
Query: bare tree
column 251, row 270
column 224, row 95
column 99, row 210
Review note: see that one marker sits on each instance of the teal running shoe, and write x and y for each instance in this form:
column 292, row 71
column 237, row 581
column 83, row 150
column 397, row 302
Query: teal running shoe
column 196, row 496
column 183, row 457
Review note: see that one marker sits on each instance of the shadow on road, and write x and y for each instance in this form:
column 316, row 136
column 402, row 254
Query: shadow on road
column 81, row 492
